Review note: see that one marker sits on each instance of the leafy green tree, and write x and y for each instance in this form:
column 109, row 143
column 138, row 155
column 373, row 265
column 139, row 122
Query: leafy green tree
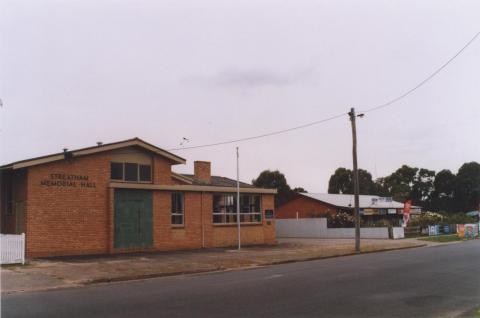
column 299, row 190
column 467, row 187
column 399, row 184
column 342, row 182
column 275, row 180
column 442, row 196
column 422, row 187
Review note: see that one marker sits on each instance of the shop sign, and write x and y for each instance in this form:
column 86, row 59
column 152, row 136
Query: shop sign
column 392, row 211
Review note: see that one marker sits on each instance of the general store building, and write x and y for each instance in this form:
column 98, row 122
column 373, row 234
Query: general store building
column 372, row 207
column 124, row 197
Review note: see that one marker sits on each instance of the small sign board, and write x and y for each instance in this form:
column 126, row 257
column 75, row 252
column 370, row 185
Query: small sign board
column 269, row 214
column 369, row 212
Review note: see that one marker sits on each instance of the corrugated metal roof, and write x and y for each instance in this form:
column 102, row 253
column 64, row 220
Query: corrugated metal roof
column 347, row 200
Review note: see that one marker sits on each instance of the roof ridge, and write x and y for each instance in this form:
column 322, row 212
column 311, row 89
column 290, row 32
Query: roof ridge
column 41, row 159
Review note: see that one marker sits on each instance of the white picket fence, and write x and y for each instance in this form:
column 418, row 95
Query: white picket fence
column 12, row 248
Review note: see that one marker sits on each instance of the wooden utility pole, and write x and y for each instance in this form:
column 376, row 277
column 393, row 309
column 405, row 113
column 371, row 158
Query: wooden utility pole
column 355, row 180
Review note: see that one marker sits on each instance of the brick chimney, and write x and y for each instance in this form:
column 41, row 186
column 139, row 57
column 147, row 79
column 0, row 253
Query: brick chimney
column 202, row 171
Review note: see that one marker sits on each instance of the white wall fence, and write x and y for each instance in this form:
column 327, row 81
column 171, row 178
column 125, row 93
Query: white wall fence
column 12, row 248
column 317, row 228
column 398, row 232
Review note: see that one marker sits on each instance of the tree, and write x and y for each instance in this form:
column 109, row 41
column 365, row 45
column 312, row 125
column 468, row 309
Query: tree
column 399, row 184
column 342, row 182
column 442, row 196
column 299, row 190
column 467, row 187
column 422, row 188
column 276, row 180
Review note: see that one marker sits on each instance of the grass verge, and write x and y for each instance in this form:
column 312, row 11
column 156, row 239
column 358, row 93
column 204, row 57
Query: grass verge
column 443, row 238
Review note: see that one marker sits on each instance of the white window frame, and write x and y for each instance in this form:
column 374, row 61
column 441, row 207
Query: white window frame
column 182, row 214
column 226, row 216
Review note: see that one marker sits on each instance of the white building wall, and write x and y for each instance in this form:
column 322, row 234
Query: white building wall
column 317, row 228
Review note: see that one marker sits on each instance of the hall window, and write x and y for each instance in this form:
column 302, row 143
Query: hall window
column 130, row 172
column 116, row 170
column 225, row 208
column 145, row 172
column 177, row 208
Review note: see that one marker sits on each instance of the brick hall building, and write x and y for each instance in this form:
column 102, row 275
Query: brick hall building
column 123, row 197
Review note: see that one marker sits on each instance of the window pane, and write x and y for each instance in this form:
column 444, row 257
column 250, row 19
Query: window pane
column 174, row 202
column 145, row 173
column 255, row 204
column 116, row 171
column 218, row 203
column 218, row 218
column 230, row 203
column 177, row 202
column 177, row 219
column 244, row 203
column 131, row 171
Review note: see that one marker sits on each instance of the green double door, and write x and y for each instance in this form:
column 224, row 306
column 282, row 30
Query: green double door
column 133, row 219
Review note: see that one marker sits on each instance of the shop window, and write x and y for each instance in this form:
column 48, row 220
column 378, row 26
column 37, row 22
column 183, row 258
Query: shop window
column 177, row 208
column 225, row 208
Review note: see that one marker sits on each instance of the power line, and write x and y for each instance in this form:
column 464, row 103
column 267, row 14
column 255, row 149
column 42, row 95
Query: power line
column 424, row 81
column 263, row 135
column 392, row 101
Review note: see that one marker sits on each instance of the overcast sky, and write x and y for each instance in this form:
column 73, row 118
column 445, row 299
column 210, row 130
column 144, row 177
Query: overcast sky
column 76, row 72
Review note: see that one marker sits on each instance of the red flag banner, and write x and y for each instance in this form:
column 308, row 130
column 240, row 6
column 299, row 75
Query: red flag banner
column 406, row 212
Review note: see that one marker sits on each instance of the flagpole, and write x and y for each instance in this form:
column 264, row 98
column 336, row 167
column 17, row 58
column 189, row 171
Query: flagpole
column 238, row 203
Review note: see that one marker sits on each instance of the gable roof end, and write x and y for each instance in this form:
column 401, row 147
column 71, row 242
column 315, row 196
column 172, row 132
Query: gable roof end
column 95, row 149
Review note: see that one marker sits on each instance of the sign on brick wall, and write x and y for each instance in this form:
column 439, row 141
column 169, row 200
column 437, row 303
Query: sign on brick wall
column 68, row 180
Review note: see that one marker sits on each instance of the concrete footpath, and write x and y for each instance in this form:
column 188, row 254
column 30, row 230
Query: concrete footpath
column 66, row 272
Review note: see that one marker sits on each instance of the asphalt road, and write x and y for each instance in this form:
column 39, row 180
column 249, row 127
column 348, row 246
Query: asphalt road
column 423, row 282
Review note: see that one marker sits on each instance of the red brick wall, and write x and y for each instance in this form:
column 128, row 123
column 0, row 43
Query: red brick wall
column 306, row 208
column 65, row 219
column 191, row 234
column 172, row 237
column 162, row 171
column 202, row 171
